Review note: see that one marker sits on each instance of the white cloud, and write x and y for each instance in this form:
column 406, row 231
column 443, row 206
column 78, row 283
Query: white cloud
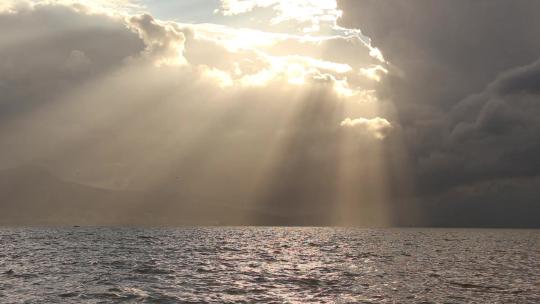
column 374, row 72
column 377, row 127
column 248, row 57
column 164, row 41
column 313, row 12
column 306, row 16
column 108, row 7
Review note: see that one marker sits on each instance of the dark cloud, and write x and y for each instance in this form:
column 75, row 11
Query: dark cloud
column 446, row 50
column 495, row 132
column 464, row 85
column 48, row 50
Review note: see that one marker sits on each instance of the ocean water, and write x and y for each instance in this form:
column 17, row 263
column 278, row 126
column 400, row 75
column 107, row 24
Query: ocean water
column 268, row 265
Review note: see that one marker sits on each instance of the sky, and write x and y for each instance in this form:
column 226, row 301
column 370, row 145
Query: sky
column 270, row 112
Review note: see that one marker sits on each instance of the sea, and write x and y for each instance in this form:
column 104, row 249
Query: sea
column 268, row 265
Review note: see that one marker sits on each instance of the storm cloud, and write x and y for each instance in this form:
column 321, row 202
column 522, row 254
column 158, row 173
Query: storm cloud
column 464, row 86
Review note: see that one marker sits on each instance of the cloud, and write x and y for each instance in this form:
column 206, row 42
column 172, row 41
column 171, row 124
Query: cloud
column 182, row 112
column 253, row 58
column 314, row 13
column 494, row 131
column 463, row 99
column 374, row 72
column 377, row 127
column 77, row 62
column 164, row 41
column 307, row 18
column 111, row 97
column 38, row 64
column 445, row 50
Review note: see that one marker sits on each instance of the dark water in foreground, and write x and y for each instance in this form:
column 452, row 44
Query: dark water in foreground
column 235, row 265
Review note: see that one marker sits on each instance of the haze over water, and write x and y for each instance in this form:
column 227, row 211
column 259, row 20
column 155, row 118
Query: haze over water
column 268, row 265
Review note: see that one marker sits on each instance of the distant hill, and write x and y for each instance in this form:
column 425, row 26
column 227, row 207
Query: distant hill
column 33, row 196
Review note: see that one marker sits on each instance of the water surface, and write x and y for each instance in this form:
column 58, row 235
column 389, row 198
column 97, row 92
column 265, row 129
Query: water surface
column 268, row 265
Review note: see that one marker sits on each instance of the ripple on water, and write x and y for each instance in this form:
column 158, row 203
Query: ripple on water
column 268, row 265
